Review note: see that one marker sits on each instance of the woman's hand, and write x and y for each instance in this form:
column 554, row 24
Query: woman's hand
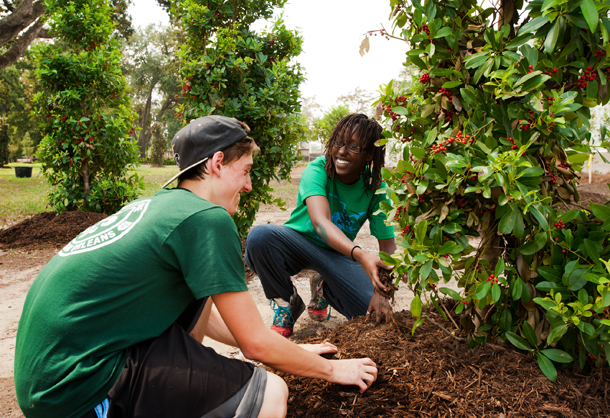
column 371, row 263
column 380, row 308
column 323, row 348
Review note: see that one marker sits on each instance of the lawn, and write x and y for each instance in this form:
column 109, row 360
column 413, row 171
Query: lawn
column 24, row 197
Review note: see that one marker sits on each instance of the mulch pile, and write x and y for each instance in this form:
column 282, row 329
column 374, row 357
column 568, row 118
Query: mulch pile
column 432, row 374
column 48, row 230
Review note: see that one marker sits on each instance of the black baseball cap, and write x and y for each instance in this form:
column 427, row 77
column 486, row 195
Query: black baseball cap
column 202, row 138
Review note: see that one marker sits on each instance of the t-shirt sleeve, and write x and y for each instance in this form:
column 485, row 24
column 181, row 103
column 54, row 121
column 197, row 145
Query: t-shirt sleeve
column 313, row 180
column 377, row 222
column 207, row 249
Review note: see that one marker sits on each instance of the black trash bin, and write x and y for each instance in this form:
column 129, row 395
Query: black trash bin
column 23, row 171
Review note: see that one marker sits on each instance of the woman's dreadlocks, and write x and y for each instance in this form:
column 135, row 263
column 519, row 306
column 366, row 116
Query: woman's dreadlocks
column 368, row 131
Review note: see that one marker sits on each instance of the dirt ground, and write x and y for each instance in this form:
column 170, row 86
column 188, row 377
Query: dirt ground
column 429, row 374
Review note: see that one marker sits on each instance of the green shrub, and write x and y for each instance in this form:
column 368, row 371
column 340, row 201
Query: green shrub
column 495, row 134
column 84, row 111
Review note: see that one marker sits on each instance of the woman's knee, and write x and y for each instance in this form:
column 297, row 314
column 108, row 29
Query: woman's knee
column 275, row 402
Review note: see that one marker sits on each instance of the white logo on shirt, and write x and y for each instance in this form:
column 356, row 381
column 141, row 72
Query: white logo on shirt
column 108, row 230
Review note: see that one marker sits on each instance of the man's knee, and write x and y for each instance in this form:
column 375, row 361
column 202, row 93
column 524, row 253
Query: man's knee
column 275, row 403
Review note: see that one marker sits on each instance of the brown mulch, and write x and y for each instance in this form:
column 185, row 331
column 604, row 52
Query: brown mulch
column 48, row 230
column 431, row 374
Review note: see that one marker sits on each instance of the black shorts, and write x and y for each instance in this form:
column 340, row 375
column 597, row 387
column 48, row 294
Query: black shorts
column 174, row 375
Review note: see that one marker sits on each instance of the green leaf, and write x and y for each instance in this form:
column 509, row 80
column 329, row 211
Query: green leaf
column 424, row 272
column 517, row 341
column 444, row 31
column 547, row 367
column 548, row 286
column 505, row 320
column 541, row 219
column 549, row 3
column 558, row 356
column 507, row 223
column 601, row 212
column 389, row 260
column 556, row 334
column 450, row 247
column 452, row 84
column 482, row 290
column 534, row 24
column 416, row 324
column 495, row 292
column 551, row 37
column 499, row 267
column 416, row 306
column 591, row 247
column 589, row 11
column 418, row 153
column 530, row 334
column 450, row 292
column 537, row 245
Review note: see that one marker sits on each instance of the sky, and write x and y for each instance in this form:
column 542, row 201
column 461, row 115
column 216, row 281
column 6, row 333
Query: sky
column 332, row 31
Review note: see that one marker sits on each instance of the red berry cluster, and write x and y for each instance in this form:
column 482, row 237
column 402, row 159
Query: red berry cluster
column 461, row 201
column 433, row 287
column 550, row 72
column 440, row 147
column 600, row 54
column 186, row 87
column 449, row 114
column 585, row 78
column 526, row 126
column 559, row 225
column 406, row 230
column 404, row 179
column 399, row 210
column 412, row 158
column 492, row 278
column 553, row 175
column 446, row 93
column 425, row 78
column 564, row 165
column 405, row 139
column 398, row 101
column 421, row 198
column 531, row 69
column 511, row 139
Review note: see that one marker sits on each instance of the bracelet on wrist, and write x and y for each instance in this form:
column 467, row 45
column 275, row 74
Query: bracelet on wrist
column 352, row 253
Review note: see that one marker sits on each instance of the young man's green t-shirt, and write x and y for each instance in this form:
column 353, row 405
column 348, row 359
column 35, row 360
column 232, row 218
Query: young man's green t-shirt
column 122, row 281
column 350, row 205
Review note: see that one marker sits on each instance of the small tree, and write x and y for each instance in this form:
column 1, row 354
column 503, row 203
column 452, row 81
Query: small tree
column 27, row 145
column 4, row 141
column 228, row 69
column 323, row 127
column 159, row 145
column 495, row 134
column 84, row 111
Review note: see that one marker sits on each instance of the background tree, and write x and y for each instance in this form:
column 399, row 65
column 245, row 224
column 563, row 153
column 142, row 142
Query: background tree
column 358, row 101
column 495, row 133
column 22, row 21
column 152, row 69
column 4, row 140
column 159, row 145
column 84, row 111
column 27, row 145
column 229, row 69
column 323, row 127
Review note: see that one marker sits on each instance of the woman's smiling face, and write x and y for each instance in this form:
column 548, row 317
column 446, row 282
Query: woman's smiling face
column 348, row 165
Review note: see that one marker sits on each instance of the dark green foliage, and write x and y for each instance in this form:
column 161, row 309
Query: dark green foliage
column 4, row 139
column 84, row 111
column 495, row 134
column 228, row 69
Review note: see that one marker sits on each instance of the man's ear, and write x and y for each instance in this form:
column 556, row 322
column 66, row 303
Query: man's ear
column 216, row 163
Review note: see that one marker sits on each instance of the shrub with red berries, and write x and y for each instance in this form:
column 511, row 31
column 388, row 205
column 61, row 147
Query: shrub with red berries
column 84, row 111
column 492, row 139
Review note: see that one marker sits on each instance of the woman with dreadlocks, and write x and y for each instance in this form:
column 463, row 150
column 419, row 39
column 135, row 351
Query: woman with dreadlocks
column 336, row 196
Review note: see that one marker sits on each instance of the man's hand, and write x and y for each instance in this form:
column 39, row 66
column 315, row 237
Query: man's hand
column 318, row 349
column 380, row 308
column 361, row 372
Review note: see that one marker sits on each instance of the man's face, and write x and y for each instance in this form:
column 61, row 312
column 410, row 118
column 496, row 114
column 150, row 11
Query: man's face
column 235, row 180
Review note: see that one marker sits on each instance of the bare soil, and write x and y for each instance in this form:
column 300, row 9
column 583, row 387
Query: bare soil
column 429, row 374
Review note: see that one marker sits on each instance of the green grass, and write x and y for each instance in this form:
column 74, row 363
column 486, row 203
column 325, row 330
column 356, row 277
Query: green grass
column 24, row 197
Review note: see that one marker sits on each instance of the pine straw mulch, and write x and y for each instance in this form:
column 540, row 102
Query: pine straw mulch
column 48, row 230
column 432, row 374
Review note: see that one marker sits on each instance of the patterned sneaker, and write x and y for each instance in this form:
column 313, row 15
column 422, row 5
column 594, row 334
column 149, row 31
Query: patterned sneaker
column 286, row 316
column 318, row 308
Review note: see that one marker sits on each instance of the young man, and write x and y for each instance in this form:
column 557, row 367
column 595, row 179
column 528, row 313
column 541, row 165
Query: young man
column 112, row 326
column 336, row 196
